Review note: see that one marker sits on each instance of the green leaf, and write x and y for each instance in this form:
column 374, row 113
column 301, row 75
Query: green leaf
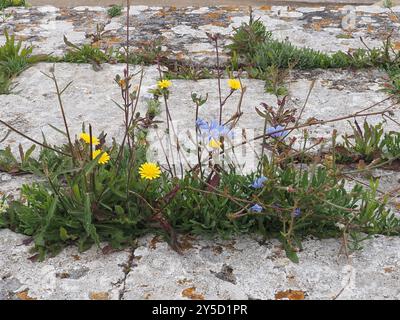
column 87, row 220
column 63, row 234
column 119, row 210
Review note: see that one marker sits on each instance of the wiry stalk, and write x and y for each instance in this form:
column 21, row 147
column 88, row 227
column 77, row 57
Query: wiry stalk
column 59, row 94
column 33, row 140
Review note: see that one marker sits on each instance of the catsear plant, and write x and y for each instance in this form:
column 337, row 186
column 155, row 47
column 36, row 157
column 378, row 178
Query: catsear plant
column 95, row 190
column 14, row 58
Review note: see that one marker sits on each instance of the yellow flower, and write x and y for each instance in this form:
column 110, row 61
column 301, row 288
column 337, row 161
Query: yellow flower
column 104, row 158
column 122, row 83
column 214, row 144
column 86, row 137
column 234, row 84
column 164, row 84
column 149, row 171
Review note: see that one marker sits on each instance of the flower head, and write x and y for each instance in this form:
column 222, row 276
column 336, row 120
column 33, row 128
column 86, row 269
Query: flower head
column 259, row 182
column 104, row 158
column 213, row 129
column 215, row 144
column 256, row 208
column 86, row 138
column 202, row 124
column 276, row 132
column 149, row 171
column 234, row 84
column 122, row 83
column 297, row 212
column 164, row 84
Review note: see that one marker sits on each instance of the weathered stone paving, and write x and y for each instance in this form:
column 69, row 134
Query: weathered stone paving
column 242, row 268
column 183, row 30
column 33, row 105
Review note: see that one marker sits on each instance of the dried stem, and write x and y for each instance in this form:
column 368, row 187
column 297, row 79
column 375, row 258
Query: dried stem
column 33, row 140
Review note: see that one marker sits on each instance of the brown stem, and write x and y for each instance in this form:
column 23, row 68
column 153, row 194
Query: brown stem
column 219, row 81
column 33, row 140
column 64, row 117
column 321, row 122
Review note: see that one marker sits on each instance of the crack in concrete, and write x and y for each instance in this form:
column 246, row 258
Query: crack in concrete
column 127, row 268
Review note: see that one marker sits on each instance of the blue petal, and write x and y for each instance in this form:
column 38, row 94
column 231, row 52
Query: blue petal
column 256, row 208
column 271, row 131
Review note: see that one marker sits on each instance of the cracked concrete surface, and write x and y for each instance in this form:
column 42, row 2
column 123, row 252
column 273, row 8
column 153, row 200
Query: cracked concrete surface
column 182, row 31
column 204, row 271
column 241, row 268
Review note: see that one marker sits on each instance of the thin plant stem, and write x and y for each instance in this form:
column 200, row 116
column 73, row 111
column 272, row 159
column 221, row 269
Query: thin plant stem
column 59, row 93
column 33, row 140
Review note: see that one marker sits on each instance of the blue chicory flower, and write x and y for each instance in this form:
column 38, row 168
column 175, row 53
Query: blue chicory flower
column 256, row 208
column 213, row 129
column 297, row 212
column 273, row 131
column 259, row 182
column 202, row 124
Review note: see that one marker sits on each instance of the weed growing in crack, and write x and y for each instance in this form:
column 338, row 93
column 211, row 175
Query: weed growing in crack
column 85, row 54
column 254, row 49
column 95, row 190
column 115, row 11
column 13, row 60
column 12, row 3
column 369, row 143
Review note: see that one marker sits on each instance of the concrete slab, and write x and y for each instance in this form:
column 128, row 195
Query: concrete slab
column 183, row 30
column 34, row 105
column 69, row 275
column 236, row 269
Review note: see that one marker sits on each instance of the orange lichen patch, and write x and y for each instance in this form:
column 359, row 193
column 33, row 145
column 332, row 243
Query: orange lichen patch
column 337, row 7
column 113, row 40
column 213, row 15
column 389, row 269
column 21, row 37
column 19, row 27
column 99, row 296
column 370, row 28
column 230, row 8
column 23, row 295
column 192, row 294
column 147, row 296
column 290, row 294
column 219, row 23
column 266, row 8
column 161, row 13
column 318, row 25
column 396, row 45
column 393, row 17
column 180, row 56
column 107, row 42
